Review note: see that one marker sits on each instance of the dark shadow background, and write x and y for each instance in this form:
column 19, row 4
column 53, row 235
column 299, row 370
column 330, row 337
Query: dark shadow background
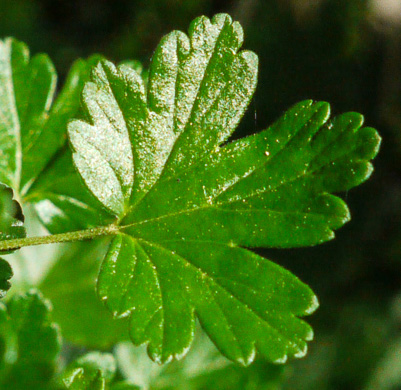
column 340, row 51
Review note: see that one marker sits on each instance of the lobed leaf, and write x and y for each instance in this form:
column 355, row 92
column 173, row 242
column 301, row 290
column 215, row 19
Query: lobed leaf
column 189, row 204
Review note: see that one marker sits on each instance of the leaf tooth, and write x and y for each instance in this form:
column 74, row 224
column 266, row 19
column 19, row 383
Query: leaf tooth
column 313, row 306
column 281, row 360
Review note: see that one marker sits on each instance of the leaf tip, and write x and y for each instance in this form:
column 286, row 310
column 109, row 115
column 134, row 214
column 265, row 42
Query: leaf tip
column 302, row 350
column 372, row 140
column 247, row 360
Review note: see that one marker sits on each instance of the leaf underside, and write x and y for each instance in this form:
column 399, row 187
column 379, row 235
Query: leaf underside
column 189, row 204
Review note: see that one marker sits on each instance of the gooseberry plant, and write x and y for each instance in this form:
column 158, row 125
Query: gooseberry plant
column 149, row 165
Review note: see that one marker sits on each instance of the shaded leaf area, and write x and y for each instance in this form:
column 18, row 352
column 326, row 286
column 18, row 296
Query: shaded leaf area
column 33, row 127
column 155, row 157
column 30, row 343
column 70, row 285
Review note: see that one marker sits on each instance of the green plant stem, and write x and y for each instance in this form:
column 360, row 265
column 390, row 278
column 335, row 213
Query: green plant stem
column 58, row 238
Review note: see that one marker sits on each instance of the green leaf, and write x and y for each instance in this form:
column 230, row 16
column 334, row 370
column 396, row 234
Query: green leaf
column 33, row 126
column 189, row 204
column 90, row 372
column 31, row 343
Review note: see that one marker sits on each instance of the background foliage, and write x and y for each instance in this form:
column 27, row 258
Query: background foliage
column 341, row 51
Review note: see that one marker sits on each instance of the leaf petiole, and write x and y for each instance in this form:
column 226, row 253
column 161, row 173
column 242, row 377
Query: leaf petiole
column 79, row 235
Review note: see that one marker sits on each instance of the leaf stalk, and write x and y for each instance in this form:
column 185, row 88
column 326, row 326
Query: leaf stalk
column 79, row 235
